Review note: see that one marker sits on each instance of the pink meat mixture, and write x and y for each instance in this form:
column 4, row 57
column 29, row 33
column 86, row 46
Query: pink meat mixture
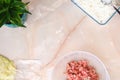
column 80, row 70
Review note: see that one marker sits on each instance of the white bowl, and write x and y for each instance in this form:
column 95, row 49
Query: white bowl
column 60, row 68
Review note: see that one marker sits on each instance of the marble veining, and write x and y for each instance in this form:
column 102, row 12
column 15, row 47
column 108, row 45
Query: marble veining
column 54, row 29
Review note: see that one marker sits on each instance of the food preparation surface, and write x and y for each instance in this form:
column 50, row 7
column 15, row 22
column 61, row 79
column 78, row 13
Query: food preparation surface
column 56, row 28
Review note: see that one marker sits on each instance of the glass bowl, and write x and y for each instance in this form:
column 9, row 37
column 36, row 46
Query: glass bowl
column 76, row 2
column 60, row 67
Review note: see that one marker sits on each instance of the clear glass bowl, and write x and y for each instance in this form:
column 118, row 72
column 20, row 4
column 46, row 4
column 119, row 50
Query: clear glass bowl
column 101, row 23
column 60, row 67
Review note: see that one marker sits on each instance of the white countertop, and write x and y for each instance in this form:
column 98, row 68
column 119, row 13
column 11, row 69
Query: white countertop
column 56, row 28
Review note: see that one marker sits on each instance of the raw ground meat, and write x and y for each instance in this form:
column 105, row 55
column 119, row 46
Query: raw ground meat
column 80, row 70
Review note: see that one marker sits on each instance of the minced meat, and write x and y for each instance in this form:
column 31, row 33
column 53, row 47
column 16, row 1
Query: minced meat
column 80, row 70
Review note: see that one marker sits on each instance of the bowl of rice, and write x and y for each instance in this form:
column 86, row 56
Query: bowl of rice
column 96, row 10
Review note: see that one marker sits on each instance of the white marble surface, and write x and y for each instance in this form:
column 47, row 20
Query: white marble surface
column 56, row 28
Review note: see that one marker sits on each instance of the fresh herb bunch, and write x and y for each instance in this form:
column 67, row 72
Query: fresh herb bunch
column 11, row 12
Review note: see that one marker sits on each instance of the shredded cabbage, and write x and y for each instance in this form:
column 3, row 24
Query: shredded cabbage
column 7, row 69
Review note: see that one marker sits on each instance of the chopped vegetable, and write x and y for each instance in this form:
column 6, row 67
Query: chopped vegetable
column 7, row 69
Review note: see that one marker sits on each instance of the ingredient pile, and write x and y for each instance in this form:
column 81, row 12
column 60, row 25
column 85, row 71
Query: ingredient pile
column 80, row 70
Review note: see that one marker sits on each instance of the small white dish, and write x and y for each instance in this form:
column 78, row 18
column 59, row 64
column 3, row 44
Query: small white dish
column 60, row 67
